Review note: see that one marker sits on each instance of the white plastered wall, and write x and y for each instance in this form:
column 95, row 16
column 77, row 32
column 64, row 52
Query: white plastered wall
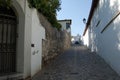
column 38, row 33
column 86, row 38
column 30, row 32
column 107, row 43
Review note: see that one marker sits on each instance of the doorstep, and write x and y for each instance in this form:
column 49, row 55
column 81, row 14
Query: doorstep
column 11, row 76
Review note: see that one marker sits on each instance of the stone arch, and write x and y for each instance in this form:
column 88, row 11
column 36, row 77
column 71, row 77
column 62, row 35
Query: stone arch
column 7, row 40
column 17, row 7
column 23, row 47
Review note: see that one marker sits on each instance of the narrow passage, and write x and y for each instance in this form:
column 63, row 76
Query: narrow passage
column 77, row 63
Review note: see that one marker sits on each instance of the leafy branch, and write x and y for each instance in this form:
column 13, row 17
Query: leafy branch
column 48, row 8
column 5, row 3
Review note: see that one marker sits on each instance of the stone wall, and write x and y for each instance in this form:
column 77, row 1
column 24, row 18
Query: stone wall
column 56, row 41
column 65, row 39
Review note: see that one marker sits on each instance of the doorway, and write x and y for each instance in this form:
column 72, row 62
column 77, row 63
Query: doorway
column 8, row 31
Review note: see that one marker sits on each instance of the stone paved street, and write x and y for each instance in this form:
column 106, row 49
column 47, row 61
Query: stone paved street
column 77, row 64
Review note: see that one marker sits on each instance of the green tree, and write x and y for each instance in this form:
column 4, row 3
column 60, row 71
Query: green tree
column 48, row 8
column 5, row 3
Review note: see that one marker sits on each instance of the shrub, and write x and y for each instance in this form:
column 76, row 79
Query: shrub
column 48, row 8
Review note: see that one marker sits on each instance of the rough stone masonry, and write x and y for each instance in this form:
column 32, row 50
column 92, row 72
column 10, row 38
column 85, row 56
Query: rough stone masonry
column 56, row 41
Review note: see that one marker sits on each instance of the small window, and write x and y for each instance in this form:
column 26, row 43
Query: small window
column 67, row 25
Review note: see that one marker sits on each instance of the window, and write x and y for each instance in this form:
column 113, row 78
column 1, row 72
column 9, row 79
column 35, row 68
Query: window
column 67, row 25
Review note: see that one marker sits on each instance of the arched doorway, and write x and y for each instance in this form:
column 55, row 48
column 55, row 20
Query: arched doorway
column 8, row 30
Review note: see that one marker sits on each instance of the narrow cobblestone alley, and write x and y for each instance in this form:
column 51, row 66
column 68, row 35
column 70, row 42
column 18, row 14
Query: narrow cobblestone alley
column 77, row 64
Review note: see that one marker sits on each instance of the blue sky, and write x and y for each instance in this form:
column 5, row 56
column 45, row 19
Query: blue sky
column 75, row 10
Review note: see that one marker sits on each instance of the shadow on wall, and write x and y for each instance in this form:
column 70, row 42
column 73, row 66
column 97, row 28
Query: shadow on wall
column 104, row 13
column 113, row 28
column 107, row 41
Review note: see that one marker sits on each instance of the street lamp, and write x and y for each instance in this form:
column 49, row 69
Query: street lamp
column 84, row 20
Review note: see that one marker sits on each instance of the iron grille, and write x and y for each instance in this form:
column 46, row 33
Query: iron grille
column 7, row 44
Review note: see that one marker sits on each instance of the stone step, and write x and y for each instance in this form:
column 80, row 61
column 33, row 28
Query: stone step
column 12, row 76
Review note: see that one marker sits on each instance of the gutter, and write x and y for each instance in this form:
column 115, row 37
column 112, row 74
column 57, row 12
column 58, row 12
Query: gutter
column 93, row 7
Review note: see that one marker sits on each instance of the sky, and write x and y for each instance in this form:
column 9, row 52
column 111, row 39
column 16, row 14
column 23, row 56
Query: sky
column 75, row 10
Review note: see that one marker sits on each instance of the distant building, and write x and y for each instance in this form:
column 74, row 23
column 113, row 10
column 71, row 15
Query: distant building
column 66, row 25
column 102, row 32
column 66, row 29
column 76, row 39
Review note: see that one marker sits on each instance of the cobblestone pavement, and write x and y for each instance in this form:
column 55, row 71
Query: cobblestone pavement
column 77, row 64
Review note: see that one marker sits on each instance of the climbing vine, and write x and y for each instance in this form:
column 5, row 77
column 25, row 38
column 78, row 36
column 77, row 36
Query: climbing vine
column 48, row 8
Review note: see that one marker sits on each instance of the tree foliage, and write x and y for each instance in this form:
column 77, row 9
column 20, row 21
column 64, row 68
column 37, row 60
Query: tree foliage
column 5, row 3
column 48, row 8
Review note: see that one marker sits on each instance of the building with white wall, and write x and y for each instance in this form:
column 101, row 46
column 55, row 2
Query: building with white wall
column 21, row 35
column 66, row 25
column 76, row 38
column 86, row 38
column 102, row 32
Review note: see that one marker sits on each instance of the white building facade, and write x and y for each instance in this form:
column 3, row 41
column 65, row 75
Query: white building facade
column 28, row 44
column 102, row 32
column 76, row 39
column 66, row 25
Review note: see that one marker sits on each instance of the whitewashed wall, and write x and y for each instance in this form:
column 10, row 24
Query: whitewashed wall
column 24, row 36
column 86, row 39
column 29, row 31
column 38, row 33
column 63, row 23
column 106, row 44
